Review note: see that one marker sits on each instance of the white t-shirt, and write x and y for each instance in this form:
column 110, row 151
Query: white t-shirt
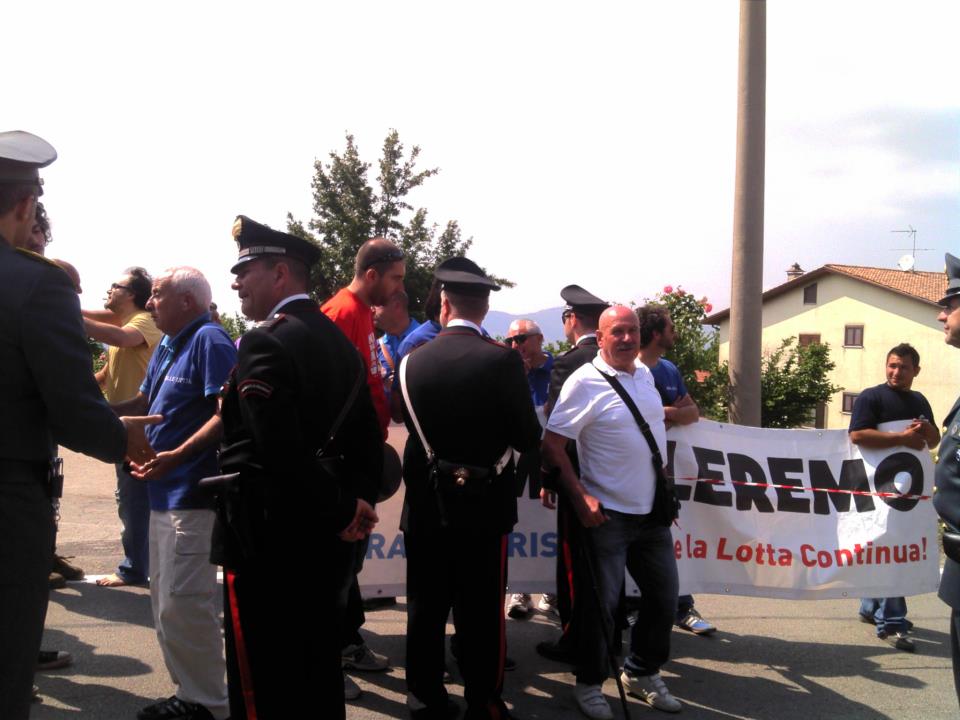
column 616, row 465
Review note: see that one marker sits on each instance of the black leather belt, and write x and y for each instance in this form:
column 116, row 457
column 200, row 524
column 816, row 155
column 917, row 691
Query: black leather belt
column 23, row 472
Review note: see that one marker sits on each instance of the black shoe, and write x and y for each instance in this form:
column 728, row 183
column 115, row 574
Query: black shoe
column 554, row 650
column 377, row 603
column 53, row 659
column 420, row 711
column 173, row 708
column 57, row 581
column 68, row 570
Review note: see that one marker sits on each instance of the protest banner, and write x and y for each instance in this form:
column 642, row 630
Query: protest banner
column 799, row 514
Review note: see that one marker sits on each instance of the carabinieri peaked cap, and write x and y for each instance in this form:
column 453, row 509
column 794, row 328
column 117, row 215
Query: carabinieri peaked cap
column 583, row 302
column 22, row 154
column 460, row 275
column 256, row 240
column 953, row 278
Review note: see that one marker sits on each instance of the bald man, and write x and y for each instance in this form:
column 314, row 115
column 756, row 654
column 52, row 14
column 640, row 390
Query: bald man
column 613, row 500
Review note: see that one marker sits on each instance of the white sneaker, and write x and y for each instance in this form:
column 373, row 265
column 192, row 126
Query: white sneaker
column 361, row 657
column 591, row 702
column 548, row 604
column 351, row 691
column 652, row 690
column 519, row 606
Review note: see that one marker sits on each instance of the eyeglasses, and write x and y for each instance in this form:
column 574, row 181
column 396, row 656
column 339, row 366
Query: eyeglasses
column 567, row 314
column 118, row 286
column 516, row 339
column 390, row 256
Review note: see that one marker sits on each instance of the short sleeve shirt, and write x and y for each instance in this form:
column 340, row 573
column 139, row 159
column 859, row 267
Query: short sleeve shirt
column 355, row 320
column 126, row 366
column 882, row 404
column 616, row 465
column 669, row 382
column 199, row 358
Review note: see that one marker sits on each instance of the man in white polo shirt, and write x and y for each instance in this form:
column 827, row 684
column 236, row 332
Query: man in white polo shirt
column 613, row 497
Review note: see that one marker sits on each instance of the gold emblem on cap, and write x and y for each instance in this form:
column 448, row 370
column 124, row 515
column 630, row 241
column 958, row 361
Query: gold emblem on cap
column 237, row 227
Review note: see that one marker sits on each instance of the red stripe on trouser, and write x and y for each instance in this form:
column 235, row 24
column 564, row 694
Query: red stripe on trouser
column 568, row 562
column 494, row 706
column 246, row 678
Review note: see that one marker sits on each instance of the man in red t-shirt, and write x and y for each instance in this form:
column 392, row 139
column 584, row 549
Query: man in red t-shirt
column 378, row 275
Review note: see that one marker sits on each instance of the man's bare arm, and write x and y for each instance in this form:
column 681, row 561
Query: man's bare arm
column 104, row 316
column 871, row 438
column 588, row 508
column 684, row 411
column 206, row 436
column 125, row 336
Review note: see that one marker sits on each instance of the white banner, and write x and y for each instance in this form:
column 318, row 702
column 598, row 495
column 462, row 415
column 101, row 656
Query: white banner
column 770, row 513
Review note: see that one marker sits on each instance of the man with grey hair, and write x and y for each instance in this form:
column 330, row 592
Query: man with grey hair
column 182, row 383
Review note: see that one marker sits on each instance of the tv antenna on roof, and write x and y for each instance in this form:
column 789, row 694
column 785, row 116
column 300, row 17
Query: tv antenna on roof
column 907, row 262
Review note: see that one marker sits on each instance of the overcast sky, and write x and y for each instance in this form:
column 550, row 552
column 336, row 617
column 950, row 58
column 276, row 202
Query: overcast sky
column 577, row 142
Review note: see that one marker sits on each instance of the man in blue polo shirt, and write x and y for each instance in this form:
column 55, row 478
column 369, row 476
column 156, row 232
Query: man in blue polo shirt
column 183, row 381
column 657, row 337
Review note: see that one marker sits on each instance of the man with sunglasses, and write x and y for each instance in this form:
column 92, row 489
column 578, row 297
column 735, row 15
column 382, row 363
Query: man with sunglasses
column 127, row 328
column 378, row 276
column 525, row 337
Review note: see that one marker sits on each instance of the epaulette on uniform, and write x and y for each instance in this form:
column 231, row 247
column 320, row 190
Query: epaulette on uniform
column 36, row 256
column 496, row 342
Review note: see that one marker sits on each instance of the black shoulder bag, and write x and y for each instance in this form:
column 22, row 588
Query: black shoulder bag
column 666, row 504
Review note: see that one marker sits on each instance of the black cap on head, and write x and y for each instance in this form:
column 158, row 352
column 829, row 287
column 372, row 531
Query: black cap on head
column 953, row 278
column 460, row 275
column 256, row 240
column 22, row 154
column 583, row 302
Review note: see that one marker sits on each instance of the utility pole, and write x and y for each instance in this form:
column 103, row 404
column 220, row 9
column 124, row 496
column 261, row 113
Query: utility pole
column 747, row 277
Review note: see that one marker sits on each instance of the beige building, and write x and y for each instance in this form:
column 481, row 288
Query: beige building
column 861, row 312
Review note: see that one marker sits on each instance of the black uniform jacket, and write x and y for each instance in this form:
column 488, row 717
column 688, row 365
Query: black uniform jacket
column 584, row 351
column 472, row 399
column 294, row 374
column 947, row 500
column 47, row 392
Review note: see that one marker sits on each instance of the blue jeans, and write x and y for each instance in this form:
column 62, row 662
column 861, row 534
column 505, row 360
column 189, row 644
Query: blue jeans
column 133, row 507
column 645, row 548
column 890, row 614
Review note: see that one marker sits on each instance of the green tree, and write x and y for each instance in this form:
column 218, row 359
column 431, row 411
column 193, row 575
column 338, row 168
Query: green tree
column 793, row 379
column 235, row 326
column 348, row 210
column 697, row 351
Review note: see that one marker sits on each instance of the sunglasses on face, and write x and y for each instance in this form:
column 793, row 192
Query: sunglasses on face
column 517, row 339
column 391, row 256
column 118, row 286
column 567, row 314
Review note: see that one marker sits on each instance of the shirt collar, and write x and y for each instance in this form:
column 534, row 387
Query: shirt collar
column 289, row 299
column 584, row 337
column 602, row 366
column 460, row 322
column 173, row 343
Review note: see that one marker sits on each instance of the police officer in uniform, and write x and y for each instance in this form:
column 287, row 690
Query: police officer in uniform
column 581, row 316
column 47, row 397
column 470, row 398
column 946, row 500
column 297, row 374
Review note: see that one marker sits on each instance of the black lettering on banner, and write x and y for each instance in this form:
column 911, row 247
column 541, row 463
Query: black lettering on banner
column 886, row 473
column 853, row 476
column 786, row 502
column 744, row 468
column 683, row 490
column 706, row 491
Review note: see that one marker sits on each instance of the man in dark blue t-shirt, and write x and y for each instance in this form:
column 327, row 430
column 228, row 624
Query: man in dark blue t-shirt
column 656, row 338
column 893, row 400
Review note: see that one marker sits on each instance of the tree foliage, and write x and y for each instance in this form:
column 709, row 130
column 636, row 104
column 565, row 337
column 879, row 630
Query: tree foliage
column 793, row 381
column 235, row 325
column 348, row 210
column 793, row 378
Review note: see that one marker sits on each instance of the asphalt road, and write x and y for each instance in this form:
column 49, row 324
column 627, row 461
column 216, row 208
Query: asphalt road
column 770, row 659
